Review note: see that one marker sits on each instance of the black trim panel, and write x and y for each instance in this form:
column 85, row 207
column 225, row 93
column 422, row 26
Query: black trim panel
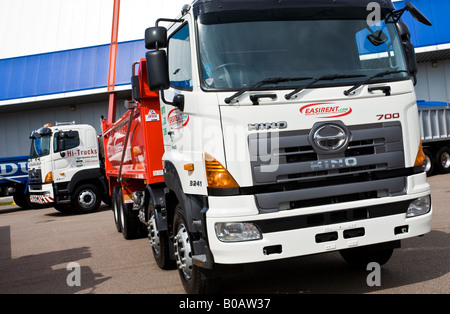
column 332, row 217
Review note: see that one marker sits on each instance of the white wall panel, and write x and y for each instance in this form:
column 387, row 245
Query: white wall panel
column 137, row 15
column 30, row 27
column 38, row 26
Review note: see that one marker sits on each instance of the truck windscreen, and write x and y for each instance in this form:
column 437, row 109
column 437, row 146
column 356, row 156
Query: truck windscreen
column 237, row 54
column 40, row 146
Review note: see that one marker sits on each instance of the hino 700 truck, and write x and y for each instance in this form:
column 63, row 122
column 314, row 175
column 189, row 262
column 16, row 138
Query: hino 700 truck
column 262, row 130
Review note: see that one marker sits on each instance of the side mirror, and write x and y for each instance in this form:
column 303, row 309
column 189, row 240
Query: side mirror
column 377, row 38
column 156, row 38
column 157, row 66
column 156, row 59
column 410, row 54
column 178, row 101
column 415, row 13
column 61, row 145
column 157, row 70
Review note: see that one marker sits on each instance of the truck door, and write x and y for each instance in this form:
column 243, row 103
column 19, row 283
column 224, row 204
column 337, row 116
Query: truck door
column 174, row 121
column 65, row 160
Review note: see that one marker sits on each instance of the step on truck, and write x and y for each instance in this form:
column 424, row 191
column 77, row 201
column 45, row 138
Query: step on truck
column 64, row 168
column 263, row 130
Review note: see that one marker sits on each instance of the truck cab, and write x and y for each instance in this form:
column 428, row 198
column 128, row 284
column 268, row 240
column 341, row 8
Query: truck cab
column 64, row 167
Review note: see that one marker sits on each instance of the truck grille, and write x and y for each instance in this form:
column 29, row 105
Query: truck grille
column 35, row 176
column 296, row 174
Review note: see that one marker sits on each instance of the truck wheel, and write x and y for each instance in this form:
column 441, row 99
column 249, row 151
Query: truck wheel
column 429, row 162
column 86, row 199
column 22, row 199
column 129, row 219
column 194, row 282
column 116, row 208
column 360, row 257
column 443, row 160
column 159, row 241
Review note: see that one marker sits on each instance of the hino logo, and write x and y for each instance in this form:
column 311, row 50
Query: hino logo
column 330, row 137
column 267, row 126
column 334, row 163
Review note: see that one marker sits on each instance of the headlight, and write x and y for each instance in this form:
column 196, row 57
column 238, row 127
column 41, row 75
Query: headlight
column 237, row 231
column 418, row 207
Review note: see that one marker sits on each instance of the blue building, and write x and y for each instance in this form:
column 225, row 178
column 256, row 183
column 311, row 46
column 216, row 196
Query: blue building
column 55, row 57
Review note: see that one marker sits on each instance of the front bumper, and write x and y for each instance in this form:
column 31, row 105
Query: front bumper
column 42, row 194
column 313, row 230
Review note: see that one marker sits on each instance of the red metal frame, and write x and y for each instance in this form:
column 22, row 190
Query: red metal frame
column 142, row 162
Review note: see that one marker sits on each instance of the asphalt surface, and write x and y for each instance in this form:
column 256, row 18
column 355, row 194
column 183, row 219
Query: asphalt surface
column 37, row 247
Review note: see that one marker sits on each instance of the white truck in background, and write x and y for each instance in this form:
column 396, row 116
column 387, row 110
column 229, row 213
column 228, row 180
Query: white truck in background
column 434, row 120
column 64, row 168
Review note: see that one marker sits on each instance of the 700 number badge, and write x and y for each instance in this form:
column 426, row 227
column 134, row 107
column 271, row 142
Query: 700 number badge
column 388, row 116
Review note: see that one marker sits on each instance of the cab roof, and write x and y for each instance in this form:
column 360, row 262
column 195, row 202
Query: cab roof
column 211, row 6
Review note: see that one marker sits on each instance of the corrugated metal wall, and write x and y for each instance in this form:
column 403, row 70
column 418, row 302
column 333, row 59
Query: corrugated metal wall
column 433, row 81
column 16, row 127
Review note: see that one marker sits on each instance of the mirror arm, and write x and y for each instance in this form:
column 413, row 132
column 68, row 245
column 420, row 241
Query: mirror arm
column 168, row 20
column 396, row 15
column 178, row 100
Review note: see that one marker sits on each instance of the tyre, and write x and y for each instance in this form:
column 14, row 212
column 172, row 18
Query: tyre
column 429, row 162
column 116, row 209
column 192, row 278
column 86, row 199
column 22, row 199
column 159, row 241
column 443, row 160
column 129, row 219
column 360, row 257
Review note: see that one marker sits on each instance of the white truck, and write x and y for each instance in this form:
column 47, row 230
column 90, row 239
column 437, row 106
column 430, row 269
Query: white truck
column 64, row 168
column 264, row 130
column 290, row 128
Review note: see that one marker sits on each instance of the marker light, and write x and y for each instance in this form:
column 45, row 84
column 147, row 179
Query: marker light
column 420, row 158
column 48, row 177
column 217, row 176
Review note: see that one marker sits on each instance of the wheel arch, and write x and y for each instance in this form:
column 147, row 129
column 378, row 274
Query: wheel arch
column 93, row 176
column 194, row 206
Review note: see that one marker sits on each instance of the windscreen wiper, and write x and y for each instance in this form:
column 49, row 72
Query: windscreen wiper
column 272, row 80
column 380, row 74
column 322, row 78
